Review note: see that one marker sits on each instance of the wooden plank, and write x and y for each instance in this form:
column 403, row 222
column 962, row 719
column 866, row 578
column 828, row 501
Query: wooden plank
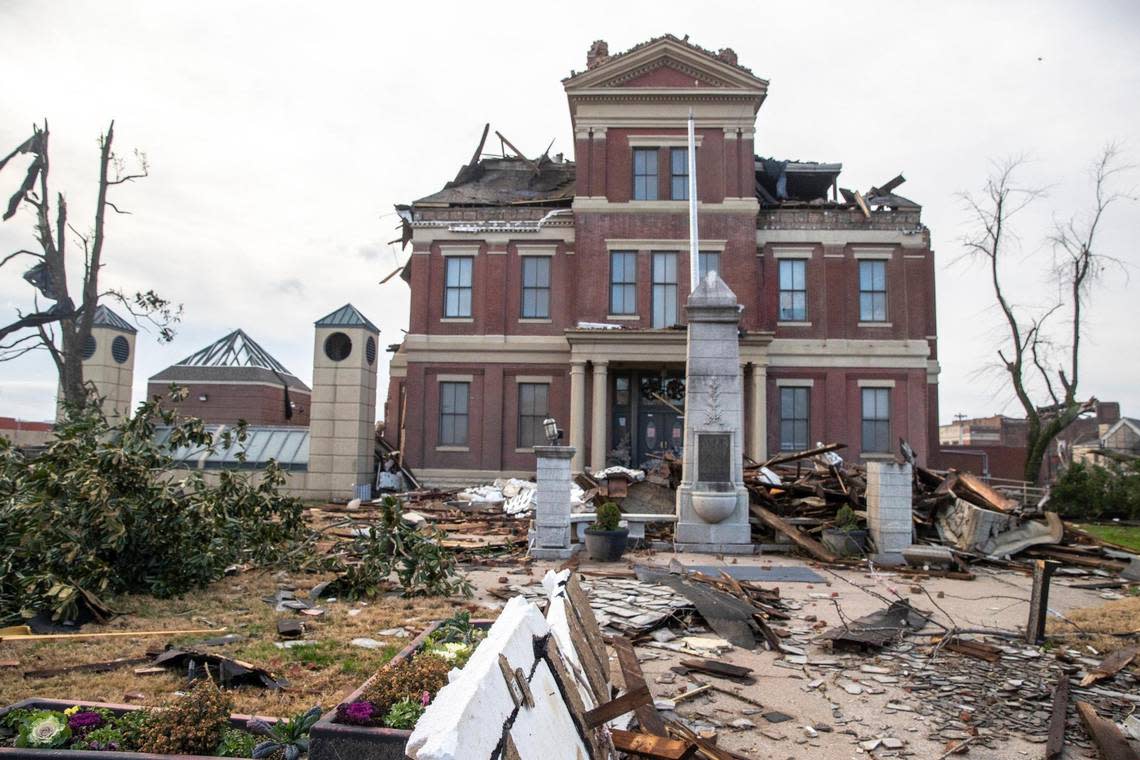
column 1055, row 744
column 717, row 668
column 1111, row 665
column 625, row 703
column 112, row 635
column 975, row 649
column 805, row 542
column 1106, row 735
column 647, row 716
column 991, row 498
column 597, row 671
column 90, row 667
column 581, row 606
column 650, row 746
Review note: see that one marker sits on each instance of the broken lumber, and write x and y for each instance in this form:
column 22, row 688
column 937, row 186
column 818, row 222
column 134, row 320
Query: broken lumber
column 1055, row 744
column 647, row 716
column 975, row 649
column 90, row 667
column 1111, row 665
column 717, row 668
column 110, row 635
column 1104, row 733
column 620, row 706
column 650, row 746
column 807, row 543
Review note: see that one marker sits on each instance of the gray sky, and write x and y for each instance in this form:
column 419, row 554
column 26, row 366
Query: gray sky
column 280, row 134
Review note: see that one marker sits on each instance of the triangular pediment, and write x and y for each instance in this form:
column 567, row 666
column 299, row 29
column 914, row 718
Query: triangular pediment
column 666, row 63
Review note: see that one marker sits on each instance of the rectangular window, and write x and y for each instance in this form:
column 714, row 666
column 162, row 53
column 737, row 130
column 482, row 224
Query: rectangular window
column 453, row 413
column 876, row 420
column 536, row 287
column 645, row 174
column 664, row 289
column 872, row 291
column 679, row 173
column 623, row 282
column 793, row 290
column 795, row 405
column 533, row 406
column 708, row 261
column 457, row 286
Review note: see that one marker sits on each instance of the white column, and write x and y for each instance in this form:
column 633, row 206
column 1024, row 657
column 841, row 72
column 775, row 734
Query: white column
column 889, row 506
column 600, row 412
column 577, row 413
column 758, row 427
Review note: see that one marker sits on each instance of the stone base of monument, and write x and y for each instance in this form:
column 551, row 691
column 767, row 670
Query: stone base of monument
column 713, row 521
column 539, row 552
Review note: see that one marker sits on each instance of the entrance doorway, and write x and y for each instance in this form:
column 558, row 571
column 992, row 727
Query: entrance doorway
column 648, row 417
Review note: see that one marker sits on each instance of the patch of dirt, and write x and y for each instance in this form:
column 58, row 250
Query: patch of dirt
column 1115, row 616
column 323, row 674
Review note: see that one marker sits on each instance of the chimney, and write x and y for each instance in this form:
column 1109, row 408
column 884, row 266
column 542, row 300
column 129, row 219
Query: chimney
column 1108, row 411
column 599, row 51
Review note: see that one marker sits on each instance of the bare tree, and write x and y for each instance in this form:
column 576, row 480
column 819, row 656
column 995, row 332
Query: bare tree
column 1035, row 364
column 61, row 326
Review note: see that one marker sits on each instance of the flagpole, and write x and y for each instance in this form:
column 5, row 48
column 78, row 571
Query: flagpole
column 694, row 247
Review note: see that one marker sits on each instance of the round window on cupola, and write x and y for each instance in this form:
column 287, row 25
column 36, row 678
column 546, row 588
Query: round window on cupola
column 89, row 346
column 120, row 349
column 370, row 350
column 338, row 346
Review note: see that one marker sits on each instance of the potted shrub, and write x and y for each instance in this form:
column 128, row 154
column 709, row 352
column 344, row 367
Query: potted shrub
column 605, row 538
column 846, row 538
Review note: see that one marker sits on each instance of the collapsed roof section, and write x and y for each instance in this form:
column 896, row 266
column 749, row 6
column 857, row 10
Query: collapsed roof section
column 790, row 184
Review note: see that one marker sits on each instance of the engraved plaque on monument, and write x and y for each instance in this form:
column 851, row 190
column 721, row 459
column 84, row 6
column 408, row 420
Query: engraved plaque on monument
column 713, row 457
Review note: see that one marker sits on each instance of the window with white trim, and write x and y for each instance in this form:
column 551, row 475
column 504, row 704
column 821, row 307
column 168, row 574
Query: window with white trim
column 664, row 288
column 453, row 413
column 872, row 290
column 795, row 414
column 534, row 399
column 793, row 290
column 535, row 287
column 457, row 286
column 645, row 174
column 876, row 420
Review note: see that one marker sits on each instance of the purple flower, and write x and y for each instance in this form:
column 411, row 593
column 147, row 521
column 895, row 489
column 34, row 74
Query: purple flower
column 356, row 713
column 84, row 720
column 425, row 698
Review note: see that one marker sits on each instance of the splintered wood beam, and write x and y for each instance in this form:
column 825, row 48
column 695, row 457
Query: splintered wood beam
column 1104, row 733
column 650, row 746
column 647, row 716
column 805, row 542
column 1039, row 600
column 1055, row 744
column 625, row 703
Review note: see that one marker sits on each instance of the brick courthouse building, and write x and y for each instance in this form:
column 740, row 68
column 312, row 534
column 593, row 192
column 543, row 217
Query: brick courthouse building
column 548, row 287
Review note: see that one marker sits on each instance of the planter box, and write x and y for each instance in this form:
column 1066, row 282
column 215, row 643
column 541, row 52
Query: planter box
column 336, row 741
column 27, row 753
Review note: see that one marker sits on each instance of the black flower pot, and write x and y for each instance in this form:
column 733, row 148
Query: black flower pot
column 606, row 545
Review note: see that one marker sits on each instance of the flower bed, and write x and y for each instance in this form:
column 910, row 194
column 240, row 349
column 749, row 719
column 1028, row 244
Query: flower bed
column 82, row 726
column 375, row 721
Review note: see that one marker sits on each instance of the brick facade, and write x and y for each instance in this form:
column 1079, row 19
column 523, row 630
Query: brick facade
column 225, row 404
column 640, row 99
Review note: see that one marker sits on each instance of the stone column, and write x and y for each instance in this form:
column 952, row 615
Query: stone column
column 577, row 413
column 600, row 419
column 551, row 538
column 889, row 499
column 758, row 425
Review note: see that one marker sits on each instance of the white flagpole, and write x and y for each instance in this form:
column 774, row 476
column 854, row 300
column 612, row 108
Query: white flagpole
column 694, row 246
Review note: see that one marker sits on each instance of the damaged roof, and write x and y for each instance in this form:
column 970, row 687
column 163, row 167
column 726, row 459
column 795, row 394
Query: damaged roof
column 724, row 55
column 511, row 180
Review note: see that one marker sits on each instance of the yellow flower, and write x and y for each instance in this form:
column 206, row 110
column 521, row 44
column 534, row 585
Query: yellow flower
column 71, row 710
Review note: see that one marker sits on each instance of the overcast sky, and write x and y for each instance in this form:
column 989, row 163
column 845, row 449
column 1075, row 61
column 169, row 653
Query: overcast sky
column 280, row 134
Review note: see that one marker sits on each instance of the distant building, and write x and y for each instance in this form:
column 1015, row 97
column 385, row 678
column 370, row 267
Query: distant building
column 1121, row 438
column 234, row 379
column 24, row 433
column 997, row 430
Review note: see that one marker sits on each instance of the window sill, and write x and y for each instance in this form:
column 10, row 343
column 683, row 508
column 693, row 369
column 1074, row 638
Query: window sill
column 793, row 323
column 452, row 448
column 534, row 321
column 461, row 320
column 876, row 324
column 877, row 456
column 524, row 451
column 623, row 317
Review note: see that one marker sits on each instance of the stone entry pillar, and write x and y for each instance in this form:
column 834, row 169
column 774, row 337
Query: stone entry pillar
column 712, row 502
column 552, row 503
column 889, row 504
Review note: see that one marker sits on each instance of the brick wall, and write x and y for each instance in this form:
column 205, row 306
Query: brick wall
column 227, row 403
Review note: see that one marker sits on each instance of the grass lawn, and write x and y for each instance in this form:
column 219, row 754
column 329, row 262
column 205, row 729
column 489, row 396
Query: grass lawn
column 1123, row 535
column 322, row 674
